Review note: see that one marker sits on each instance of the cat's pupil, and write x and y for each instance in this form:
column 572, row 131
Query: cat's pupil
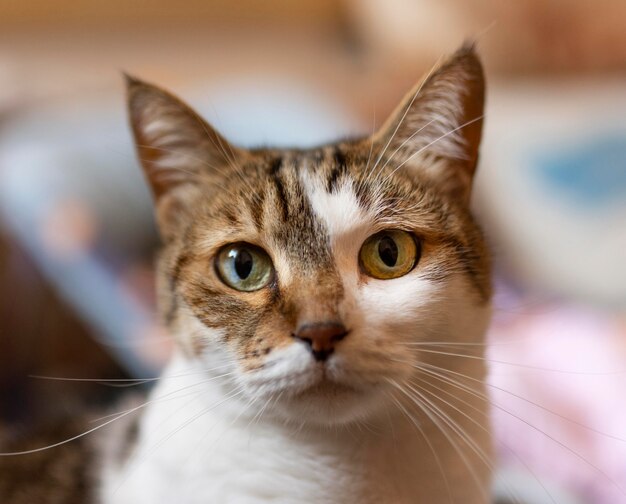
column 243, row 263
column 388, row 251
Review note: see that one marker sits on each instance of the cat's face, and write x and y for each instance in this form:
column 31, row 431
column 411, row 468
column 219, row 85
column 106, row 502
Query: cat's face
column 310, row 275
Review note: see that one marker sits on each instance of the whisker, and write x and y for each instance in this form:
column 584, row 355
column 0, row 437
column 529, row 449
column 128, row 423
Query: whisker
column 487, row 344
column 168, row 396
column 430, row 412
column 125, row 382
column 108, row 382
column 526, row 422
column 526, row 366
column 65, row 441
column 119, row 416
column 478, row 424
column 533, row 403
column 423, row 365
column 243, row 410
column 428, row 442
column 149, row 452
column 460, row 431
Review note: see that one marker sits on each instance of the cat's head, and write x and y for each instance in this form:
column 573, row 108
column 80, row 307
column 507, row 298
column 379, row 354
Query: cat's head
column 310, row 275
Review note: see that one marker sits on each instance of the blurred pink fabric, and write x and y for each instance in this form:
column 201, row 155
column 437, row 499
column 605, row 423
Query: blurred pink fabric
column 568, row 363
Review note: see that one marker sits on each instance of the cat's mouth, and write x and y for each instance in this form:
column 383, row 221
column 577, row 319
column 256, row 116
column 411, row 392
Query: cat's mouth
column 328, row 388
column 326, row 400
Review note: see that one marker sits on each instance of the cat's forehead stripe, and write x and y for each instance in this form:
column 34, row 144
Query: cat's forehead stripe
column 290, row 221
column 338, row 169
column 334, row 204
column 281, row 198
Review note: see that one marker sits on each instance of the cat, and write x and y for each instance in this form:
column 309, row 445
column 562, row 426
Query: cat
column 303, row 288
column 308, row 291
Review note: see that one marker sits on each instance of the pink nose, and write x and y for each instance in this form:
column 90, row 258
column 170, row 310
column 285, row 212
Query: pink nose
column 321, row 337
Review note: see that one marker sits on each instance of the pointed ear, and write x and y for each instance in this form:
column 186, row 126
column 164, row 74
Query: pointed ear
column 176, row 147
column 437, row 127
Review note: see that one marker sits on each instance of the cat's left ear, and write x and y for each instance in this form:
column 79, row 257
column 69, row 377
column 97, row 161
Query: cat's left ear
column 437, row 127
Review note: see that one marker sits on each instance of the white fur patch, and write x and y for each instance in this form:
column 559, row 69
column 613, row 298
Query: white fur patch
column 339, row 211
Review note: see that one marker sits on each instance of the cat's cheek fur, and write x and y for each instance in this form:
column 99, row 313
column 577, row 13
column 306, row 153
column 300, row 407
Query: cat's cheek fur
column 412, row 309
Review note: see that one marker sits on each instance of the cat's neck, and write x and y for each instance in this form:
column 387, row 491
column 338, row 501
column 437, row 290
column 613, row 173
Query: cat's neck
column 198, row 439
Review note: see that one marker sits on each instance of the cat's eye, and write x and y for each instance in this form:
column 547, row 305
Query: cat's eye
column 389, row 254
column 244, row 267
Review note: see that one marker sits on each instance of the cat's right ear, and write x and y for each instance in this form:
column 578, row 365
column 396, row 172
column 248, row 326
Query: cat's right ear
column 176, row 147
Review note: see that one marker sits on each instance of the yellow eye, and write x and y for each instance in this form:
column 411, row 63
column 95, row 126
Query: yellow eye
column 244, row 267
column 389, row 254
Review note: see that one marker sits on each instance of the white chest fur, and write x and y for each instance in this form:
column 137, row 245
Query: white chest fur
column 195, row 446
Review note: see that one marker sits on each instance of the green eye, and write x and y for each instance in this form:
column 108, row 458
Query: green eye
column 244, row 267
column 389, row 254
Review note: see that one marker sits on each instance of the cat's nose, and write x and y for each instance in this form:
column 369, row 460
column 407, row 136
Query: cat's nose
column 321, row 337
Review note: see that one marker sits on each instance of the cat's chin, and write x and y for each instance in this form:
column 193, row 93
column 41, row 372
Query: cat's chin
column 328, row 402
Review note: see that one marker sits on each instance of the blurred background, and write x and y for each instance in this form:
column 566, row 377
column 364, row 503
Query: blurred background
column 77, row 237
